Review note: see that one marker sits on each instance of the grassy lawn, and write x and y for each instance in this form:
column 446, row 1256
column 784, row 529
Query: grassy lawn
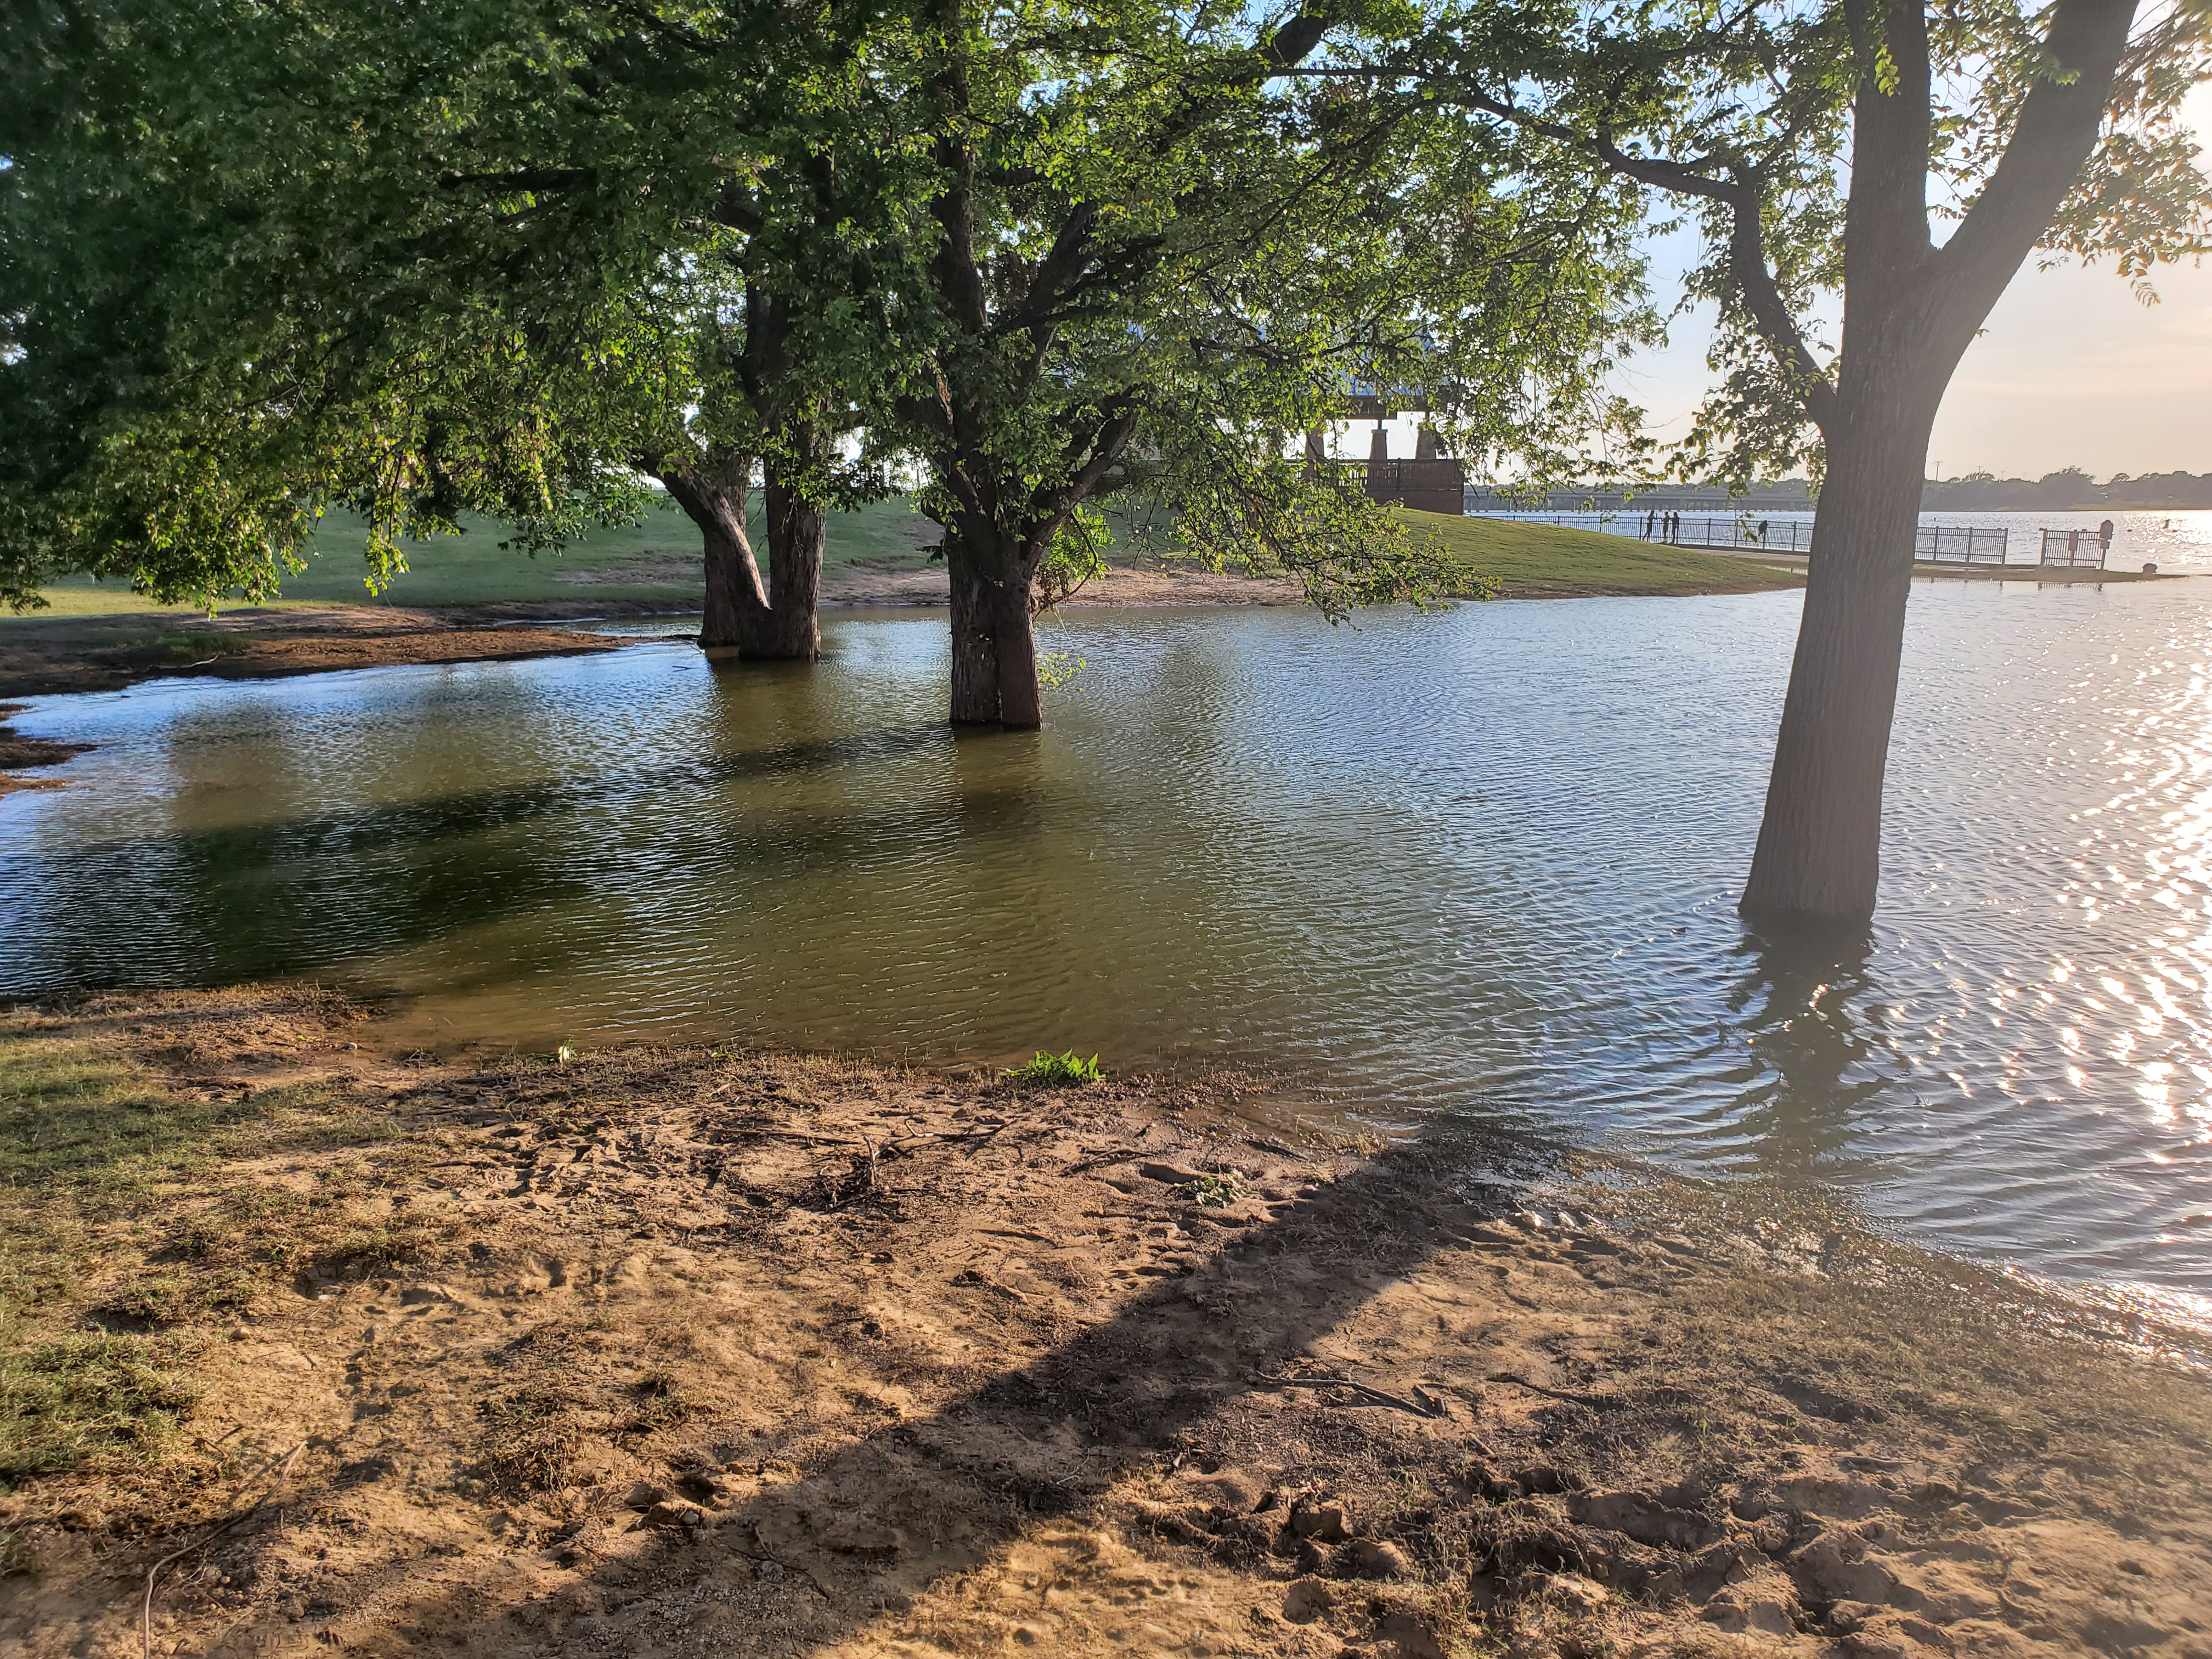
column 658, row 560
column 1543, row 561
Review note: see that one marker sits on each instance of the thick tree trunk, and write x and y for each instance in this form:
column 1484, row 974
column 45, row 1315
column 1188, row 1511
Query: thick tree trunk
column 994, row 680
column 774, row 620
column 1819, row 854
column 796, row 531
column 1021, row 703
column 1909, row 310
column 974, row 651
column 713, row 497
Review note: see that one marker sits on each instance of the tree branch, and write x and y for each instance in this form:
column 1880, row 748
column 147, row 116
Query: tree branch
column 1748, row 266
column 1886, row 240
column 2052, row 139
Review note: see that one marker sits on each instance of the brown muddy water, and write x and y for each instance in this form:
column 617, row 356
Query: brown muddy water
column 1477, row 862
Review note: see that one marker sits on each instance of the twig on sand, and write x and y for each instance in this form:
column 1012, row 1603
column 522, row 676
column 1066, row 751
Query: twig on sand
column 803, row 1135
column 1517, row 1381
column 1102, row 1161
column 1371, row 1396
column 146, row 1605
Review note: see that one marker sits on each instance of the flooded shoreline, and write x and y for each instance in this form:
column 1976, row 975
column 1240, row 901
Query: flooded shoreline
column 1478, row 866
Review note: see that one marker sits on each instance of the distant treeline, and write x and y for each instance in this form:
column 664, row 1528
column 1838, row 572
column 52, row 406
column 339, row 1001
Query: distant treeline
column 2070, row 491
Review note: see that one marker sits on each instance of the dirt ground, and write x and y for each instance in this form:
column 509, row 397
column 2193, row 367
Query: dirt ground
column 38, row 656
column 665, row 1352
column 1118, row 585
column 18, row 752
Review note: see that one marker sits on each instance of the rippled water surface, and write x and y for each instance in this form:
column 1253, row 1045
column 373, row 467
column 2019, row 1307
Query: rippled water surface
column 1484, row 860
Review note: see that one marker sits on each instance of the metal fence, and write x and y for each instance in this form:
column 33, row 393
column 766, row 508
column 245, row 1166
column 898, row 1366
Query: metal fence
column 1938, row 544
column 2076, row 549
column 1754, row 535
column 1962, row 544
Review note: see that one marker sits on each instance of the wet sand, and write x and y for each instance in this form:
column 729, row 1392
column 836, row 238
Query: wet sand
column 663, row 1351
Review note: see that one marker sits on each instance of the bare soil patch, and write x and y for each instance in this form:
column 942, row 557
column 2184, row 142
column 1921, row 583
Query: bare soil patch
column 98, row 654
column 661, row 1351
column 20, row 753
column 1167, row 585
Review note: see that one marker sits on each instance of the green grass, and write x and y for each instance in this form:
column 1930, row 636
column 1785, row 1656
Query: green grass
column 84, row 1397
column 658, row 558
column 1541, row 560
column 122, row 1223
column 81, row 597
column 1056, row 1070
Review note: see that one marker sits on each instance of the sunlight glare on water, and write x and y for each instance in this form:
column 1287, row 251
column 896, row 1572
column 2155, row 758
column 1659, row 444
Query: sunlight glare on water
column 1484, row 861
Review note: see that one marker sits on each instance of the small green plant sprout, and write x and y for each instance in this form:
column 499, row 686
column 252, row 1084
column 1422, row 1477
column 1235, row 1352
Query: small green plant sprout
column 1056, row 1070
column 1214, row 1192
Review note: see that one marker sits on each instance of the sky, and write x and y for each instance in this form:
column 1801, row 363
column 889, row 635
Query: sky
column 2071, row 370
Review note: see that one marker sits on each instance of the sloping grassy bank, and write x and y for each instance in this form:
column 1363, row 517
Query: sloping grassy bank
column 1551, row 561
column 655, row 559
column 655, row 564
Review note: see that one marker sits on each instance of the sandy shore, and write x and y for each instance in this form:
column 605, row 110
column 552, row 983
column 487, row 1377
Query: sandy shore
column 681, row 1351
column 1121, row 586
column 101, row 653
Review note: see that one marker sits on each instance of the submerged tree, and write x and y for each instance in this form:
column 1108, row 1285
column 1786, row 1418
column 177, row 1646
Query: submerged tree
column 255, row 262
column 507, row 257
column 1162, row 255
column 1810, row 140
column 789, row 191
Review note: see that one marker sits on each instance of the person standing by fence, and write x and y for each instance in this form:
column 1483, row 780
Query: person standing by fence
column 1650, row 519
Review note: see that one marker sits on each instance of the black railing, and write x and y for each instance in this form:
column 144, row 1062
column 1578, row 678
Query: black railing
column 1752, row 535
column 1943, row 543
column 2076, row 549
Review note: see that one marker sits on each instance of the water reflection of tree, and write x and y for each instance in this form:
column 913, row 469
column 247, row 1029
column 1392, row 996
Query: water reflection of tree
column 1805, row 1000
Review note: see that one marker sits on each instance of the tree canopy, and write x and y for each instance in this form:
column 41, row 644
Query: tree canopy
column 1999, row 127
column 259, row 261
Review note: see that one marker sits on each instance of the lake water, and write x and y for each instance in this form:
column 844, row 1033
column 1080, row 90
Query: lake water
column 1482, row 861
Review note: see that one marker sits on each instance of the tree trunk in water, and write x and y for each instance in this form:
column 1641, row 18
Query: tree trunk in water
column 713, row 497
column 975, row 656
column 796, row 530
column 1819, row 844
column 993, row 651
column 1021, row 703
column 1909, row 310
column 774, row 620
